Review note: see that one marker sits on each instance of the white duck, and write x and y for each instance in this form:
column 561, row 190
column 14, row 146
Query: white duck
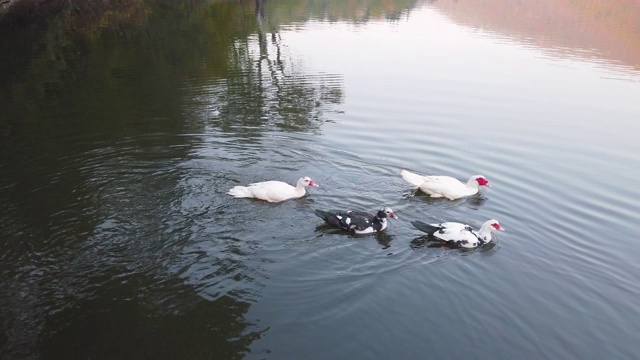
column 445, row 186
column 359, row 222
column 273, row 191
column 460, row 235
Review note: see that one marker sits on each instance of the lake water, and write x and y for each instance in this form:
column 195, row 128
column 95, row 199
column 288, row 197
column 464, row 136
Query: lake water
column 122, row 129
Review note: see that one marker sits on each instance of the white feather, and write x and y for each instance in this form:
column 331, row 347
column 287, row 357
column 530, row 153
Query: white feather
column 272, row 191
column 443, row 186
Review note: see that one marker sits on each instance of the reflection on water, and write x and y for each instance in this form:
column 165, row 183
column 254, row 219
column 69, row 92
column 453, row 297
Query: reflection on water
column 124, row 124
column 586, row 29
column 106, row 232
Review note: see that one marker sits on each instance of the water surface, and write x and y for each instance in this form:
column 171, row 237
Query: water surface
column 120, row 141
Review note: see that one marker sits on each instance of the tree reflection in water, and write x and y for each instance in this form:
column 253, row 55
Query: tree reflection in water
column 106, row 250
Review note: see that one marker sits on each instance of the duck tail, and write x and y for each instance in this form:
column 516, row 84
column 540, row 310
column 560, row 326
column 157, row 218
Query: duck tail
column 322, row 214
column 429, row 229
column 412, row 178
column 240, row 192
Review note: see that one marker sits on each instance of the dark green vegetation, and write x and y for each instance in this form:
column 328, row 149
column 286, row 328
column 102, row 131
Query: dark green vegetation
column 88, row 85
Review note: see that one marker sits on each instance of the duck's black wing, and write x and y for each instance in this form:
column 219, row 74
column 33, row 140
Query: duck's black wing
column 429, row 229
column 346, row 220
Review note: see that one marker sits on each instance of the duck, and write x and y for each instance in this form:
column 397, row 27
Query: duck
column 460, row 235
column 438, row 186
column 273, row 190
column 358, row 222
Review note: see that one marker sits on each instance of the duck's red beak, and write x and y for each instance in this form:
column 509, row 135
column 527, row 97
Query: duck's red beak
column 311, row 183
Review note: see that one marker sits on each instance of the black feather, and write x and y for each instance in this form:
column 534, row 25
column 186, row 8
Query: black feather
column 329, row 218
column 352, row 220
column 429, row 229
